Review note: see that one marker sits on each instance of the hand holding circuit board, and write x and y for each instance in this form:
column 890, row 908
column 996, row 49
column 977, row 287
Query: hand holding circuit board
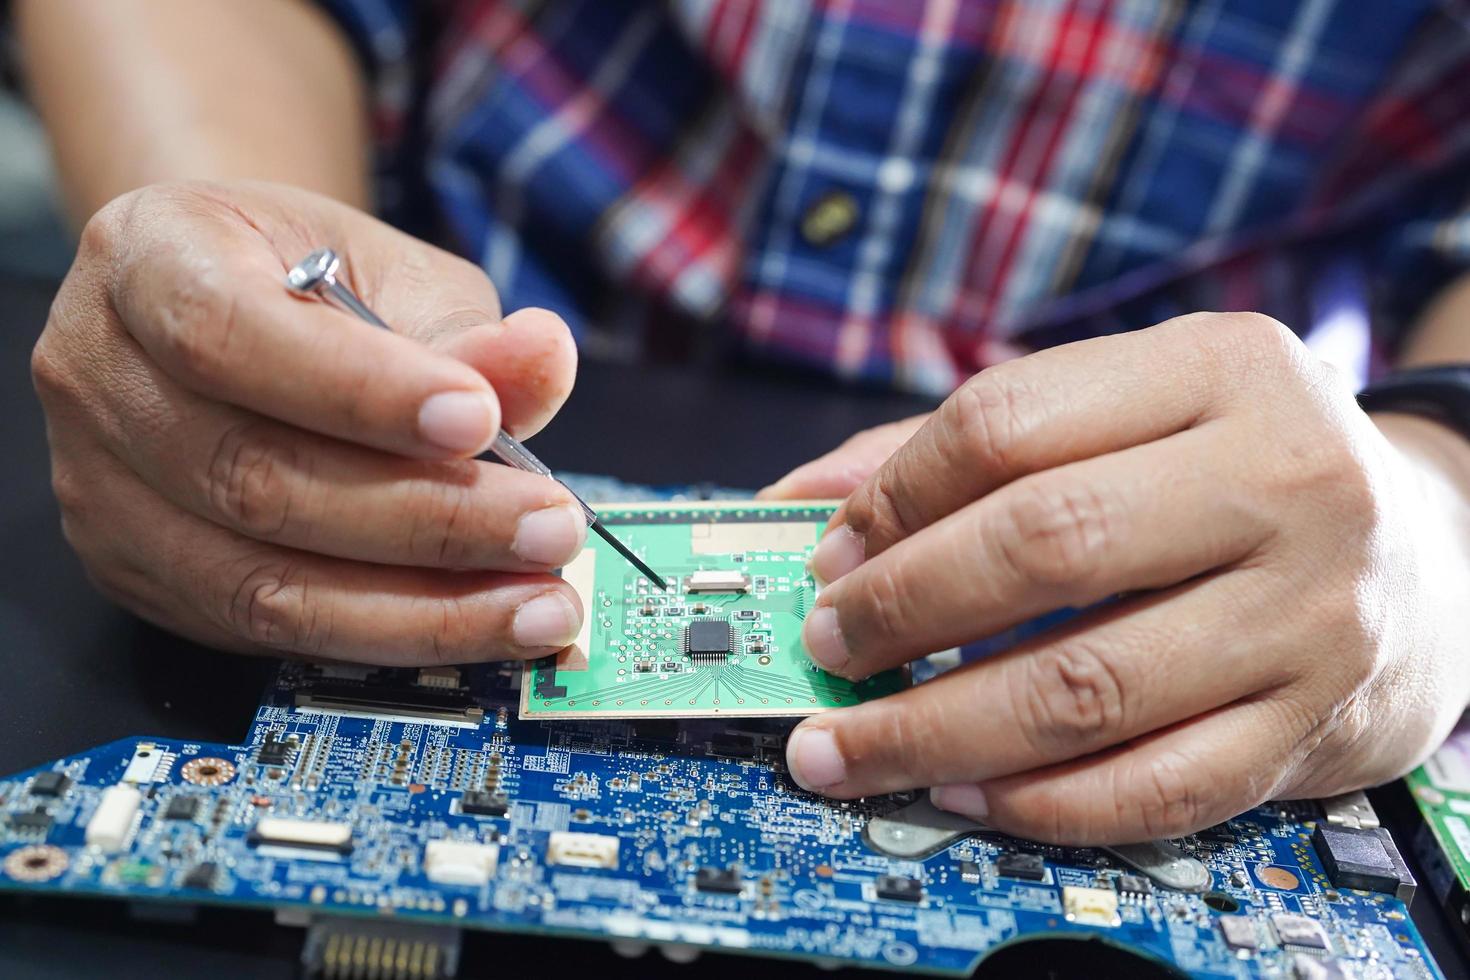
column 1282, row 583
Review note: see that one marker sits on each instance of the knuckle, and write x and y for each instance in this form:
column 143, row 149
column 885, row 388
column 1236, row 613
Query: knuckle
column 1168, row 799
column 986, row 418
column 439, row 534
column 1055, row 533
column 273, row 607
column 876, row 511
column 1262, row 345
column 1069, row 698
column 49, row 377
column 72, row 493
column 197, row 317
column 105, row 232
column 456, row 638
column 885, row 604
column 250, row 479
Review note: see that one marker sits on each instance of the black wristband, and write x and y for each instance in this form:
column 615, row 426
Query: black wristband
column 1441, row 393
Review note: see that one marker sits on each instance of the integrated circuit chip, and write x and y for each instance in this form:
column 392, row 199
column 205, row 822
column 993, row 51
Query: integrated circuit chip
column 484, row 804
column 1365, row 859
column 202, row 876
column 50, row 784
column 182, row 808
column 710, row 645
column 1024, row 867
column 1299, row 931
column 896, row 888
column 720, row 881
column 1239, row 933
column 707, row 636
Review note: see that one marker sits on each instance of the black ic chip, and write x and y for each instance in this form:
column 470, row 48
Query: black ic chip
column 38, row 821
column 182, row 808
column 1133, row 887
column 202, row 876
column 484, row 804
column 897, row 888
column 274, row 752
column 722, row 881
column 1024, row 867
column 705, row 636
column 50, row 784
column 1359, row 859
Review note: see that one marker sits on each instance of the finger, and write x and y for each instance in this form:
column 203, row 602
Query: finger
column 529, row 358
column 252, row 597
column 839, row 472
column 1168, row 784
column 1068, row 537
column 1044, row 410
column 286, row 486
column 211, row 309
column 1112, row 675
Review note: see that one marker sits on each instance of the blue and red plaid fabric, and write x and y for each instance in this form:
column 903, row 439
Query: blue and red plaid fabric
column 903, row 192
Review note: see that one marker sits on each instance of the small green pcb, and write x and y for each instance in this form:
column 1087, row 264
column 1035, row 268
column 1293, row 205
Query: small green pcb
column 1441, row 788
column 724, row 639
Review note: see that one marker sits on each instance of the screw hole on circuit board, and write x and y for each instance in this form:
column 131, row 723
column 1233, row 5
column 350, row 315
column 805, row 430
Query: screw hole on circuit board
column 1221, row 902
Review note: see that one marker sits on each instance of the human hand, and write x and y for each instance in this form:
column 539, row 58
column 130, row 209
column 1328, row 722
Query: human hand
column 263, row 472
column 1288, row 586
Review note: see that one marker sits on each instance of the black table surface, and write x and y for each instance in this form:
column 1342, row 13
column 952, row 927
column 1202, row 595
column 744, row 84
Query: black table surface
column 78, row 672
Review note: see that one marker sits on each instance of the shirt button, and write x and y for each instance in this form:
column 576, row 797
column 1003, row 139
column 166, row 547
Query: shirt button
column 829, row 218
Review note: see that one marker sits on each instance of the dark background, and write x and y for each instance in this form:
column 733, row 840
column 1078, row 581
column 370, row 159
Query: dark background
column 76, row 672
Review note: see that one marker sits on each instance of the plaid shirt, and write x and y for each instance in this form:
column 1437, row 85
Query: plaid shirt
column 903, row 192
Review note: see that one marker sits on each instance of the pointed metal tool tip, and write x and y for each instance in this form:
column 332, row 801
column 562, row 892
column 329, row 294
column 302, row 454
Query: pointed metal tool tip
column 622, row 549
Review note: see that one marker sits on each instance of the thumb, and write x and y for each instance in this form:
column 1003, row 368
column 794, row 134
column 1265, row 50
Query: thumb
column 450, row 305
column 530, row 359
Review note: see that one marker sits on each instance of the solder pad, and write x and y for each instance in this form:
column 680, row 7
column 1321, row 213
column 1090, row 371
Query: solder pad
column 633, row 658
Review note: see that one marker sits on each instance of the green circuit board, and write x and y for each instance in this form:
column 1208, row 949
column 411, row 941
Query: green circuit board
column 1441, row 788
column 723, row 639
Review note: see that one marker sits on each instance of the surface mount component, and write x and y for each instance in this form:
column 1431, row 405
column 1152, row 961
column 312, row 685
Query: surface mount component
column 457, row 862
column 324, row 836
column 582, row 850
column 1091, row 906
column 1365, row 859
column 182, row 808
column 50, row 784
column 1022, row 867
column 112, row 821
column 716, row 581
column 1299, row 931
column 1239, row 933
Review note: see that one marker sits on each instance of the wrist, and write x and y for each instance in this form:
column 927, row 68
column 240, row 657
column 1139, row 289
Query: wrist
column 1437, row 459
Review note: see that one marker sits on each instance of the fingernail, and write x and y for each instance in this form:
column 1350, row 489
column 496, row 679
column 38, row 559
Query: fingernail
column 550, row 536
column 837, row 554
column 963, row 798
column 823, row 640
column 546, row 621
column 460, row 421
column 813, row 760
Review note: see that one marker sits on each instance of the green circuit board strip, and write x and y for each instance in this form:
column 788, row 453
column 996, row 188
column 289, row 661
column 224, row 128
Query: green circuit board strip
column 1441, row 789
column 689, row 653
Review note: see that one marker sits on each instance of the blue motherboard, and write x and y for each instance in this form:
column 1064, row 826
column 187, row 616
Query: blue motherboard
column 391, row 808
